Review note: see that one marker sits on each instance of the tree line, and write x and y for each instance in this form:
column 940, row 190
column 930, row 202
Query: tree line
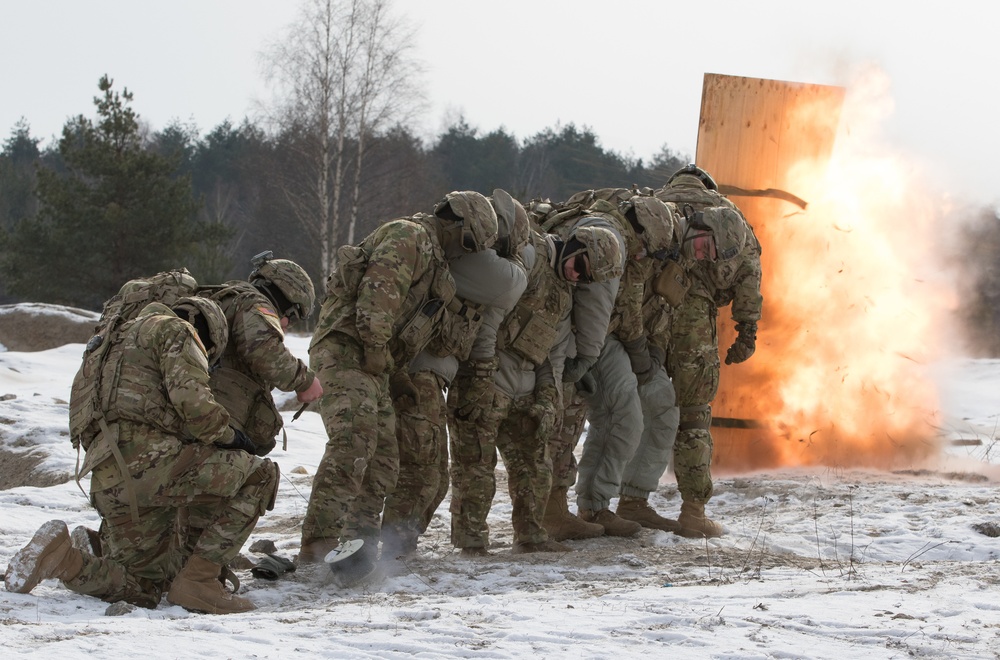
column 114, row 200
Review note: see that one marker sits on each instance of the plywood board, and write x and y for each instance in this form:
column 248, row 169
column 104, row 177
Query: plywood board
column 759, row 135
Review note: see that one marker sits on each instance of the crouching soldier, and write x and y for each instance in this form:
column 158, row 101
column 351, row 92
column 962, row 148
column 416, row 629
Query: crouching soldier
column 156, row 441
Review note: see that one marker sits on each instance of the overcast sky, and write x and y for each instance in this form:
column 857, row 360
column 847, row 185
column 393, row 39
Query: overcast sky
column 632, row 73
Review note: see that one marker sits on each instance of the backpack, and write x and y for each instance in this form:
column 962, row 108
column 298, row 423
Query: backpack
column 85, row 409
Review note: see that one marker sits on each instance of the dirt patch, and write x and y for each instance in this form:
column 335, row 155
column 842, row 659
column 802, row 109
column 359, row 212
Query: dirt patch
column 39, row 327
column 18, row 469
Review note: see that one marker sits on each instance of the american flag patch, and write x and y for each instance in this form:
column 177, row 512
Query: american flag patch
column 267, row 311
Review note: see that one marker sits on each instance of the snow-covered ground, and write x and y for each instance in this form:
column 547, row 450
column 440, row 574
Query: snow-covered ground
column 818, row 563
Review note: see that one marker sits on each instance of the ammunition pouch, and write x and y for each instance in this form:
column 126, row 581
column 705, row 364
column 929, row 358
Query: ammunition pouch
column 422, row 326
column 672, row 283
column 533, row 333
column 352, row 261
column 251, row 408
column 459, row 328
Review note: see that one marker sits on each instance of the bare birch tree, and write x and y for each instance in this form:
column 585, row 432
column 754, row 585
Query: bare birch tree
column 342, row 72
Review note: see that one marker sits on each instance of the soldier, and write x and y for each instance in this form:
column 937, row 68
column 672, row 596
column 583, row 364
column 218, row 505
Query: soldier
column 157, row 441
column 624, row 362
column 660, row 415
column 278, row 293
column 522, row 402
column 727, row 271
column 492, row 280
column 384, row 304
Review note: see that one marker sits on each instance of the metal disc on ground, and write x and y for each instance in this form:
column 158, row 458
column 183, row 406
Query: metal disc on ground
column 343, row 551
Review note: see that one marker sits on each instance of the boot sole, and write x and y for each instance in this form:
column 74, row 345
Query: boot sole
column 26, row 569
column 204, row 607
column 695, row 534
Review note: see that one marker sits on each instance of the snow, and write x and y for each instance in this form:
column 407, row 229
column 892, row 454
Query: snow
column 817, row 563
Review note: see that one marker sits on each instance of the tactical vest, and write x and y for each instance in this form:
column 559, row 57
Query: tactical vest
column 249, row 402
column 530, row 329
column 420, row 316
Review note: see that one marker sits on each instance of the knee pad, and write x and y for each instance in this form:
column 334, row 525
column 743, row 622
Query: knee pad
column 695, row 417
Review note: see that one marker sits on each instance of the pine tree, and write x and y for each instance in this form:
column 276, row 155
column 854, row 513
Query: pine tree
column 113, row 212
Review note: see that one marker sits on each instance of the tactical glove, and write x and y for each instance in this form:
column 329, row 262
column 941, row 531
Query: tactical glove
column 575, row 367
column 240, row 441
column 545, row 411
column 402, row 389
column 745, row 344
column 587, row 384
column 375, row 360
column 658, row 355
column 474, row 399
column 638, row 356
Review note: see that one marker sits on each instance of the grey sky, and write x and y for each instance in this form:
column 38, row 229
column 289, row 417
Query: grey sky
column 631, row 70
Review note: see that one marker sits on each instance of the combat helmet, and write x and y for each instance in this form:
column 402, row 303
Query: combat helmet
column 286, row 283
column 697, row 173
column 728, row 229
column 602, row 249
column 512, row 219
column 208, row 319
column 655, row 220
column 474, row 211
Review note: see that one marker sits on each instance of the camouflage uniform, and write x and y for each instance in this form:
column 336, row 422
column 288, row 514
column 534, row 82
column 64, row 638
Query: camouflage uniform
column 503, row 420
column 693, row 351
column 387, row 298
column 525, row 405
column 257, row 350
column 492, row 284
column 164, row 425
column 255, row 362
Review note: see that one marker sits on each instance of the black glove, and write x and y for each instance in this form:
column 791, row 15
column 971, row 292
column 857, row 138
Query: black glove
column 587, row 384
column 575, row 367
column 658, row 355
column 642, row 362
column 240, row 441
column 745, row 344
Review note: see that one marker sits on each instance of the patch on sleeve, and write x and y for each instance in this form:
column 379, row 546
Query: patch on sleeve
column 197, row 339
column 271, row 317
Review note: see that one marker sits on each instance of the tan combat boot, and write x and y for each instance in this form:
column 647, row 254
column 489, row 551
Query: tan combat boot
column 197, row 588
column 694, row 524
column 562, row 525
column 527, row 547
column 315, row 551
column 49, row 554
column 637, row 509
column 612, row 524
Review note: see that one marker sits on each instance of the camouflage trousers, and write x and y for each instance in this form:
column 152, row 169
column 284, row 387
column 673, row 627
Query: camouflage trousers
column 660, row 416
column 693, row 365
column 229, row 490
column 505, row 427
column 361, row 462
column 422, row 433
column 615, row 428
column 562, row 443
